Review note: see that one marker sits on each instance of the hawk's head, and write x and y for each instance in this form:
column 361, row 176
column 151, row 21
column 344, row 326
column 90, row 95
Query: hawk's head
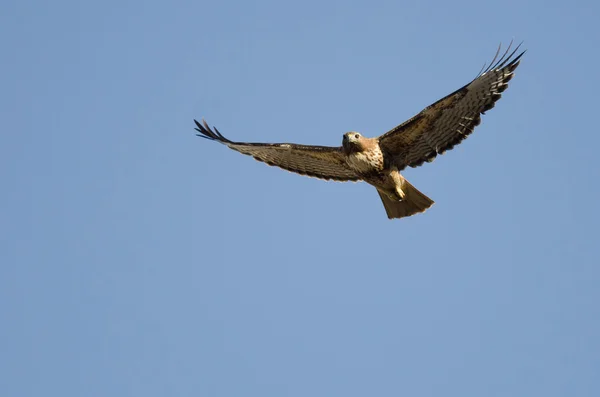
column 352, row 142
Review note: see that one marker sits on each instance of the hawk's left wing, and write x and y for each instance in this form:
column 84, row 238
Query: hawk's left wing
column 451, row 119
column 323, row 162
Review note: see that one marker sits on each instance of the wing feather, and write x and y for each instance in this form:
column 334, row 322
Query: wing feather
column 447, row 122
column 322, row 162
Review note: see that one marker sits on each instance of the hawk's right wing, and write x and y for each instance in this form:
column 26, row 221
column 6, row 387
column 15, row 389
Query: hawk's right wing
column 322, row 162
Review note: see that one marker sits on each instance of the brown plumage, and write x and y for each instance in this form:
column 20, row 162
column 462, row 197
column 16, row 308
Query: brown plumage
column 378, row 161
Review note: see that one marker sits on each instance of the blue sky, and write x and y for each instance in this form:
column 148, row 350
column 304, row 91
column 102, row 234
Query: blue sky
column 139, row 260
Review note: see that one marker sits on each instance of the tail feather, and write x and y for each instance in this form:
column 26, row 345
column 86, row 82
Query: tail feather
column 413, row 202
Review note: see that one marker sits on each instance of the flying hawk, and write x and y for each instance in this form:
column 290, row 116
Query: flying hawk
column 378, row 161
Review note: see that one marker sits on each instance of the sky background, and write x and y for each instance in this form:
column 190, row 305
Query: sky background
column 139, row 260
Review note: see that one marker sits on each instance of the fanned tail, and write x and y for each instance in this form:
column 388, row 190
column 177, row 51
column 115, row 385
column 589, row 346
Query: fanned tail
column 413, row 202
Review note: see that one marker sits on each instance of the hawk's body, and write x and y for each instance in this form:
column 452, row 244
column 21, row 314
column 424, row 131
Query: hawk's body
column 378, row 161
column 377, row 168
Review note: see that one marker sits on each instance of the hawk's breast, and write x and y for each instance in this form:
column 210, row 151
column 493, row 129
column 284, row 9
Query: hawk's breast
column 366, row 161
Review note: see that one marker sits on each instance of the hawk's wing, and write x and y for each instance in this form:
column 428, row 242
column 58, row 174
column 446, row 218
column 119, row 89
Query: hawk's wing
column 318, row 161
column 451, row 119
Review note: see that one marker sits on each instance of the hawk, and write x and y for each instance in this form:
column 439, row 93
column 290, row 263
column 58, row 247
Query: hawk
column 378, row 161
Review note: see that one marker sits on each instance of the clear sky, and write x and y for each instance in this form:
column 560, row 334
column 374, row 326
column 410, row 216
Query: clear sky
column 139, row 260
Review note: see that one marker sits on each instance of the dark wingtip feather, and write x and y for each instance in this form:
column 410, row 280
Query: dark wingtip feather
column 507, row 60
column 515, row 62
column 206, row 132
column 490, row 67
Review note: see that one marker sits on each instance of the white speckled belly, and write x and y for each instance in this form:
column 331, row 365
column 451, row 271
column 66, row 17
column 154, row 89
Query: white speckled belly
column 388, row 182
column 366, row 162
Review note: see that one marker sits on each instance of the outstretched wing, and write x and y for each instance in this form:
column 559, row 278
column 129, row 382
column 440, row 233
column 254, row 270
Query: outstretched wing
column 451, row 119
column 317, row 161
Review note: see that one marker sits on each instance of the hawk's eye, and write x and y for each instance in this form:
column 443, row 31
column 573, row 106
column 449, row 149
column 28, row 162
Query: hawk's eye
column 356, row 136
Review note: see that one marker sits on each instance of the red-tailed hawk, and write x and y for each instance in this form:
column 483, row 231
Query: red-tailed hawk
column 378, row 161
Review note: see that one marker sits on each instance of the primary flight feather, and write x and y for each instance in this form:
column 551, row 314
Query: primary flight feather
column 378, row 161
